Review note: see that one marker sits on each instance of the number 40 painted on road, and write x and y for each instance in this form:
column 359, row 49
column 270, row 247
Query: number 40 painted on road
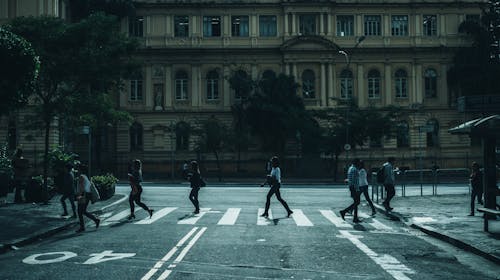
column 55, row 257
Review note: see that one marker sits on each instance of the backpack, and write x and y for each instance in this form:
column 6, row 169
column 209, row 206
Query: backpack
column 381, row 175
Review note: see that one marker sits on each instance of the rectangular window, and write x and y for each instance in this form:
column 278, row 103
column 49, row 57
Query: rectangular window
column 373, row 88
column 136, row 26
column 346, row 88
column 399, row 25
column 181, row 89
column 345, row 25
column 472, row 17
column 267, row 26
column 430, row 25
column 307, row 24
column 239, row 26
column 181, row 26
column 211, row 26
column 135, row 90
column 401, row 88
column 373, row 25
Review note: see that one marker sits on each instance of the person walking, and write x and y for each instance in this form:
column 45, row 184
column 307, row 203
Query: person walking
column 20, row 166
column 353, row 182
column 196, row 183
column 476, row 182
column 67, row 190
column 83, row 197
column 363, row 185
column 274, row 180
column 389, row 182
column 135, row 178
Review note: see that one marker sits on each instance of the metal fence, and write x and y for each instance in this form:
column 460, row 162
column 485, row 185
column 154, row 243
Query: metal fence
column 425, row 178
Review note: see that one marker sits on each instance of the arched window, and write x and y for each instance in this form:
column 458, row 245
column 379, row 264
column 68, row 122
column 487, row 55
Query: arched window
column 241, row 82
column 136, row 137
column 401, row 80
column 403, row 134
column 346, row 84
column 181, row 85
column 12, row 135
column 182, row 130
column 212, row 85
column 373, row 84
column 430, row 87
column 432, row 133
column 308, row 82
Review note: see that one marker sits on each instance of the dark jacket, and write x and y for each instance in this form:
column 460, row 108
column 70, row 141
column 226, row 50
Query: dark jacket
column 195, row 180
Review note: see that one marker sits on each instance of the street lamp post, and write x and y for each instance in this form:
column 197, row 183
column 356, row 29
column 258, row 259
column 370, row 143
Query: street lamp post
column 348, row 58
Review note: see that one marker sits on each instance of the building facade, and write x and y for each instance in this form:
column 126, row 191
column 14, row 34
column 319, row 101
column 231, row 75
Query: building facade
column 378, row 53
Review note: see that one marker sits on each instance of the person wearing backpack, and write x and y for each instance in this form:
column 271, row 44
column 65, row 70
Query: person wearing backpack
column 353, row 182
column 389, row 182
column 83, row 197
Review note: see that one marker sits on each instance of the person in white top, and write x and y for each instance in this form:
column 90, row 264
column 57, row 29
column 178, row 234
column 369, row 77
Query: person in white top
column 363, row 185
column 83, row 197
column 274, row 180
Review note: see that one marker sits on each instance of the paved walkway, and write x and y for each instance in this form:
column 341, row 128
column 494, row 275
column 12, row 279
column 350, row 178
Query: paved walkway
column 442, row 216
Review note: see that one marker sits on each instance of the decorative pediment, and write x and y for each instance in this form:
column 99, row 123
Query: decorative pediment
column 310, row 43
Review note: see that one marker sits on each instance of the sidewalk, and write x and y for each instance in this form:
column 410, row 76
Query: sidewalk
column 26, row 223
column 443, row 217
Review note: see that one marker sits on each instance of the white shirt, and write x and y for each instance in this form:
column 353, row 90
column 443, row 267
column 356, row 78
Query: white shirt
column 363, row 180
column 86, row 183
column 276, row 173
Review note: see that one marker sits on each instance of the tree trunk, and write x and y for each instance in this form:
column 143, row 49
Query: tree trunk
column 45, row 189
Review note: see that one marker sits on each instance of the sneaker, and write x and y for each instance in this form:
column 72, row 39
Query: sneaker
column 374, row 212
column 80, row 230
column 150, row 213
column 97, row 222
column 342, row 214
column 356, row 220
column 131, row 216
column 265, row 215
column 471, row 214
column 64, row 214
column 290, row 213
column 196, row 212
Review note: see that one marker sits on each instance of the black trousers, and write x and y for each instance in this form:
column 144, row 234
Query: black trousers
column 137, row 199
column 475, row 192
column 391, row 192
column 275, row 189
column 71, row 198
column 364, row 191
column 82, row 210
column 193, row 196
column 356, row 197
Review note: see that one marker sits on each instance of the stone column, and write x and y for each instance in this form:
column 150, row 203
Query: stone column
column 226, row 89
column 169, row 87
column 330, row 29
column 285, row 22
column 322, row 24
column 360, row 91
column 419, row 84
column 294, row 24
column 323, row 85
column 148, row 93
column 294, row 71
column 195, row 90
column 331, row 83
column 389, row 97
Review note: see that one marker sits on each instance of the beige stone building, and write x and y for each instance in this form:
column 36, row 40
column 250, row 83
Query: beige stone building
column 380, row 53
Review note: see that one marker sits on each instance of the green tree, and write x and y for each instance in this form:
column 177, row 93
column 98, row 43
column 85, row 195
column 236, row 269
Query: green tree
column 80, row 64
column 18, row 72
column 212, row 136
column 476, row 68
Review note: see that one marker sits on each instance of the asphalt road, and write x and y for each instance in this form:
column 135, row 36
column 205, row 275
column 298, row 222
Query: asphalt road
column 228, row 240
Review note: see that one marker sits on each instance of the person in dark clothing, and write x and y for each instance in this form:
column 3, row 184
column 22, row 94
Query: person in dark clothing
column 363, row 185
column 67, row 190
column 20, row 166
column 83, row 197
column 476, row 182
column 389, row 182
column 195, row 179
column 274, row 180
column 135, row 178
column 353, row 182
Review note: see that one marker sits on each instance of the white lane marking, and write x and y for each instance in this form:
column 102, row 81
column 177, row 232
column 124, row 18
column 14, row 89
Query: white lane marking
column 300, row 219
column 338, row 222
column 375, row 223
column 117, row 217
column 195, row 218
column 165, row 274
column 156, row 216
column 114, row 203
column 170, row 253
column 230, row 216
column 387, row 262
column 186, row 249
column 262, row 221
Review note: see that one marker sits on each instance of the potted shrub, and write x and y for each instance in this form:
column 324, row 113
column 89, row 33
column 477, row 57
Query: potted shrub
column 105, row 185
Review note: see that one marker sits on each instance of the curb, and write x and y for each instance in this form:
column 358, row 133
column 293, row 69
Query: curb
column 434, row 233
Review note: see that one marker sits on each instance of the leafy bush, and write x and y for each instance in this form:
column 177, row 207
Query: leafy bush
column 107, row 180
column 59, row 158
column 5, row 161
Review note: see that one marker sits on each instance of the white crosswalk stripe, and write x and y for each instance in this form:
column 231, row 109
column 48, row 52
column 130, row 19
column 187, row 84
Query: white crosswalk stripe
column 156, row 216
column 230, row 216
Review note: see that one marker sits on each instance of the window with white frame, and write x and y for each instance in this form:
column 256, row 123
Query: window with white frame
column 181, row 85
column 373, row 25
column 401, row 80
column 346, row 84
column 211, row 26
column 430, row 83
column 308, row 84
column 239, row 26
column 267, row 26
column 136, row 26
column 399, row 25
column 430, row 25
column 307, row 24
column 136, row 88
column 373, row 84
column 212, row 85
column 345, row 25
column 181, row 26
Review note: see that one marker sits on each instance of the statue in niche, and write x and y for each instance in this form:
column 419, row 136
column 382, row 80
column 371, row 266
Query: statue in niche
column 158, row 96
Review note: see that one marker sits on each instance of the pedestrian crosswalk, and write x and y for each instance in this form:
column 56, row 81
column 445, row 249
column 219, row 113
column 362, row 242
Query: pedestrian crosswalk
column 242, row 216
